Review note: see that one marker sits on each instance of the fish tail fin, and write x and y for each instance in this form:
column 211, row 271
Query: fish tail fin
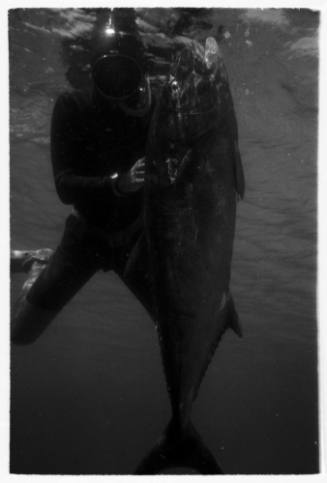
column 178, row 449
column 233, row 321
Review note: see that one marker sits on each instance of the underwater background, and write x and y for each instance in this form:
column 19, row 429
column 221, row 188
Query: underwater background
column 90, row 396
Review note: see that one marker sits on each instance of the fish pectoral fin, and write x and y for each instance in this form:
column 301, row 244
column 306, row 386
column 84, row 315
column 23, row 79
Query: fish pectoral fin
column 233, row 321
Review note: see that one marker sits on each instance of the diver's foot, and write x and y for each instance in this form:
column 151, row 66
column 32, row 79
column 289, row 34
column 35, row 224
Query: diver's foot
column 22, row 260
column 29, row 321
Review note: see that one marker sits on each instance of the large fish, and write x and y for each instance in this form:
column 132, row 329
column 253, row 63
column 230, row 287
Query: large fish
column 180, row 268
column 193, row 179
column 194, row 175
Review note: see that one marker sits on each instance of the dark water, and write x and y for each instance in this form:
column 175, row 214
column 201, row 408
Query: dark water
column 89, row 396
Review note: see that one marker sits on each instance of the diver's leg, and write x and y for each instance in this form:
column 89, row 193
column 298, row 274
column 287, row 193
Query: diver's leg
column 29, row 321
column 131, row 264
column 68, row 270
column 56, row 285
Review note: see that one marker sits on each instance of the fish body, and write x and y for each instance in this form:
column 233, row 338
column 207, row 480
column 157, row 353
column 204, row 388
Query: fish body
column 193, row 177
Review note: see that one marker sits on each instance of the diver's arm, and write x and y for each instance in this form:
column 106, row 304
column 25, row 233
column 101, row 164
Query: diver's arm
column 66, row 128
column 71, row 187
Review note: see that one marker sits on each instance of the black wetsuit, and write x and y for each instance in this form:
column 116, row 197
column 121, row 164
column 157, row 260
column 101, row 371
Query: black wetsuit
column 89, row 144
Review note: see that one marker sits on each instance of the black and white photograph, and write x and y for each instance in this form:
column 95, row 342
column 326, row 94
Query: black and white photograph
column 163, row 166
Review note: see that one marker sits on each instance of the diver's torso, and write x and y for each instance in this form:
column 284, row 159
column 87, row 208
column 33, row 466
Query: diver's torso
column 107, row 142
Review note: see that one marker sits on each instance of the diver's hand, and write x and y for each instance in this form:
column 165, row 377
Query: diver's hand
column 133, row 180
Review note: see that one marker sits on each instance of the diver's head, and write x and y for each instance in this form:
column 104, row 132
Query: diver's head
column 119, row 70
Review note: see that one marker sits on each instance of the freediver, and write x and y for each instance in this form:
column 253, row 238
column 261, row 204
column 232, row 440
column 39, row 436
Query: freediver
column 98, row 139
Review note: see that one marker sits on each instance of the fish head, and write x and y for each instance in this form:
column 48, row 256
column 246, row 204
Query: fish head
column 193, row 102
column 195, row 90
